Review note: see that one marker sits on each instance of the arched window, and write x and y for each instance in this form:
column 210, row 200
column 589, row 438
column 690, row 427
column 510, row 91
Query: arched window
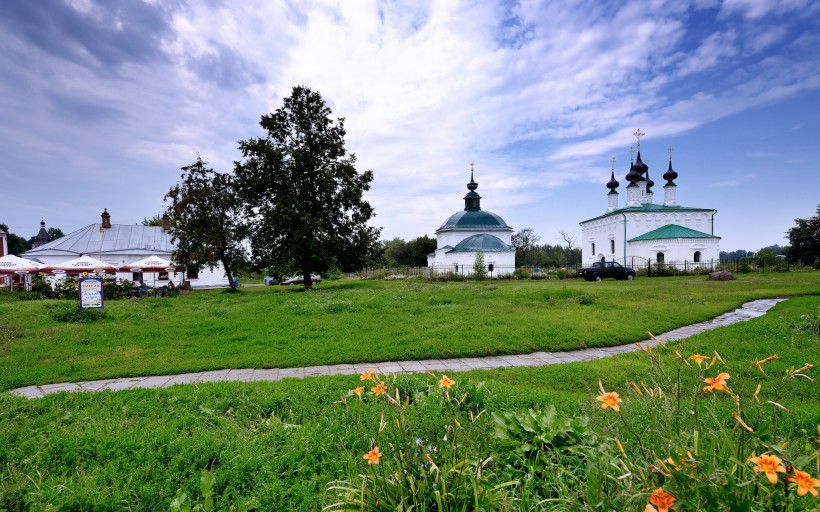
column 697, row 256
column 660, row 257
column 612, row 246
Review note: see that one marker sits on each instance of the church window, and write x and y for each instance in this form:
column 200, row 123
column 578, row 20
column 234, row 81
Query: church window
column 660, row 257
column 697, row 256
column 612, row 246
column 593, row 247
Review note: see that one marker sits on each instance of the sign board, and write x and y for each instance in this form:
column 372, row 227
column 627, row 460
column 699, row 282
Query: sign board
column 91, row 292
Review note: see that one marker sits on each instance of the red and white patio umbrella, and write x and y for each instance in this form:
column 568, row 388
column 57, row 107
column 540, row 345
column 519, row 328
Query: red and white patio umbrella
column 149, row 264
column 12, row 264
column 79, row 265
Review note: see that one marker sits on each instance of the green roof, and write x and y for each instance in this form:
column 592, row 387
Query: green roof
column 650, row 207
column 483, row 243
column 472, row 219
column 672, row 231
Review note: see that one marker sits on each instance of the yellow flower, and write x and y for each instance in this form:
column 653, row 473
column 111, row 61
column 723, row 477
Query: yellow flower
column 662, row 499
column 367, row 374
column 445, row 382
column 380, row 389
column 805, row 483
column 372, row 457
column 611, row 399
column 698, row 358
column 718, row 383
column 358, row 391
column 768, row 464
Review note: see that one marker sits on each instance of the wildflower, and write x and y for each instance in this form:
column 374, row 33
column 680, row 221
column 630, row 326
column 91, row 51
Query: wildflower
column 743, row 424
column 805, row 483
column 611, row 399
column 445, row 382
column 697, row 358
column 662, row 499
column 358, row 391
column 372, row 457
column 368, row 374
column 760, row 364
column 646, row 348
column 798, row 372
column 718, row 383
column 769, row 464
column 418, row 441
column 636, row 388
column 650, row 508
column 380, row 389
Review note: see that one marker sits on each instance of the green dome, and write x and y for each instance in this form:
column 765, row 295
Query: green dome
column 483, row 243
column 471, row 219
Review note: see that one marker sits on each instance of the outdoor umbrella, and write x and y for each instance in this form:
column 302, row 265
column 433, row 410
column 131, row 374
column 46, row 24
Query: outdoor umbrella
column 12, row 264
column 82, row 264
column 149, row 264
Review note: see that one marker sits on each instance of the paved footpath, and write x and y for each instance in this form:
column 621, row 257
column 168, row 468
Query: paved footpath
column 749, row 310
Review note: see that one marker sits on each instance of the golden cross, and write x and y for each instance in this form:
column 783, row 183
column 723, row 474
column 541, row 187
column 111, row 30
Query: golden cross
column 670, row 153
column 639, row 134
column 631, row 150
column 613, row 163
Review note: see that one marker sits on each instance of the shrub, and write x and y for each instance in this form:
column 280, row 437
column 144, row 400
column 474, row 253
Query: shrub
column 73, row 314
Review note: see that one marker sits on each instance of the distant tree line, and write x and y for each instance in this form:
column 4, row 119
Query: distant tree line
column 18, row 245
column 529, row 253
column 398, row 253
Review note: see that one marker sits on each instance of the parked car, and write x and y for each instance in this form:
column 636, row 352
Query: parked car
column 270, row 281
column 603, row 269
column 291, row 281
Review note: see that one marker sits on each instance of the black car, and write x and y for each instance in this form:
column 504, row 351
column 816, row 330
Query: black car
column 603, row 269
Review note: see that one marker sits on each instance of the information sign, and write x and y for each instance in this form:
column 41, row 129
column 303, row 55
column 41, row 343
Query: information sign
column 91, row 292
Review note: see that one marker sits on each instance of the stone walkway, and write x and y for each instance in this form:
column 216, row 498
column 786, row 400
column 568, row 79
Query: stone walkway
column 748, row 311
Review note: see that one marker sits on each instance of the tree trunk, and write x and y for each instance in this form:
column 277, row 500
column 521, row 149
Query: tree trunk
column 228, row 274
column 306, row 278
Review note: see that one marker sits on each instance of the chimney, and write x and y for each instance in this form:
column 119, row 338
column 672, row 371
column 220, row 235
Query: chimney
column 166, row 222
column 106, row 219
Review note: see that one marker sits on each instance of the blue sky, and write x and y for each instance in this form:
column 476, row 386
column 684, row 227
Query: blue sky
column 103, row 101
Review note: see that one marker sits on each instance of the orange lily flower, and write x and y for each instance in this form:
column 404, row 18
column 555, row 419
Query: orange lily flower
column 368, row 374
column 380, row 389
column 805, row 483
column 697, row 358
column 760, row 364
column 445, row 382
column 718, row 383
column 358, row 391
column 662, row 499
column 611, row 399
column 768, row 464
column 650, row 508
column 372, row 457
column 743, row 424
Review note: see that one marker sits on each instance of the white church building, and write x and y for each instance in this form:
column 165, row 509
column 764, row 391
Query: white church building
column 643, row 230
column 465, row 233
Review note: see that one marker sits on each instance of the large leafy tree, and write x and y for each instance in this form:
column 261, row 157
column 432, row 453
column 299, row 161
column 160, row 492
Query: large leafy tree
column 204, row 220
column 302, row 192
column 804, row 238
column 526, row 244
column 16, row 244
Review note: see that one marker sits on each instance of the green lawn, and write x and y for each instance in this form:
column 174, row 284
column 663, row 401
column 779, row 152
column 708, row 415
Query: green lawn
column 360, row 321
column 278, row 446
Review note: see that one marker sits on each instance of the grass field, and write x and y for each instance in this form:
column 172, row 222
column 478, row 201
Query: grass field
column 278, row 446
column 359, row 321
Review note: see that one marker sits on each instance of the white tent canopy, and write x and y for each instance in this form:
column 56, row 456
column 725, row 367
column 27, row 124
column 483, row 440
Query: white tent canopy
column 12, row 264
column 82, row 264
column 149, row 264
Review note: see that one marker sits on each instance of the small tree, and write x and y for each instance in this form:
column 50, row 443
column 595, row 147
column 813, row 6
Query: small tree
column 525, row 241
column 571, row 239
column 301, row 191
column 479, row 268
column 804, row 238
column 204, row 222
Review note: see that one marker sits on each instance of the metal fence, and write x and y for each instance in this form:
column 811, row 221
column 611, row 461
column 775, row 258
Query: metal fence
column 644, row 268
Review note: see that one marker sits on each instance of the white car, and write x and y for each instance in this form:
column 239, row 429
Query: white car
column 291, row 281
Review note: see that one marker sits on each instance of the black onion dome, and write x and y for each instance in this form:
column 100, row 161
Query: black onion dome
column 670, row 173
column 472, row 185
column 613, row 183
column 632, row 176
column 649, row 182
column 640, row 167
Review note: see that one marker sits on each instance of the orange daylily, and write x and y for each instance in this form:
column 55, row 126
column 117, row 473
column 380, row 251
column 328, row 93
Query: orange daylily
column 445, row 382
column 380, row 389
column 770, row 465
column 717, row 383
column 805, row 483
column 760, row 363
column 372, row 457
column 662, row 499
column 611, row 399
column 358, row 391
column 368, row 374
column 698, row 358
column 650, row 508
